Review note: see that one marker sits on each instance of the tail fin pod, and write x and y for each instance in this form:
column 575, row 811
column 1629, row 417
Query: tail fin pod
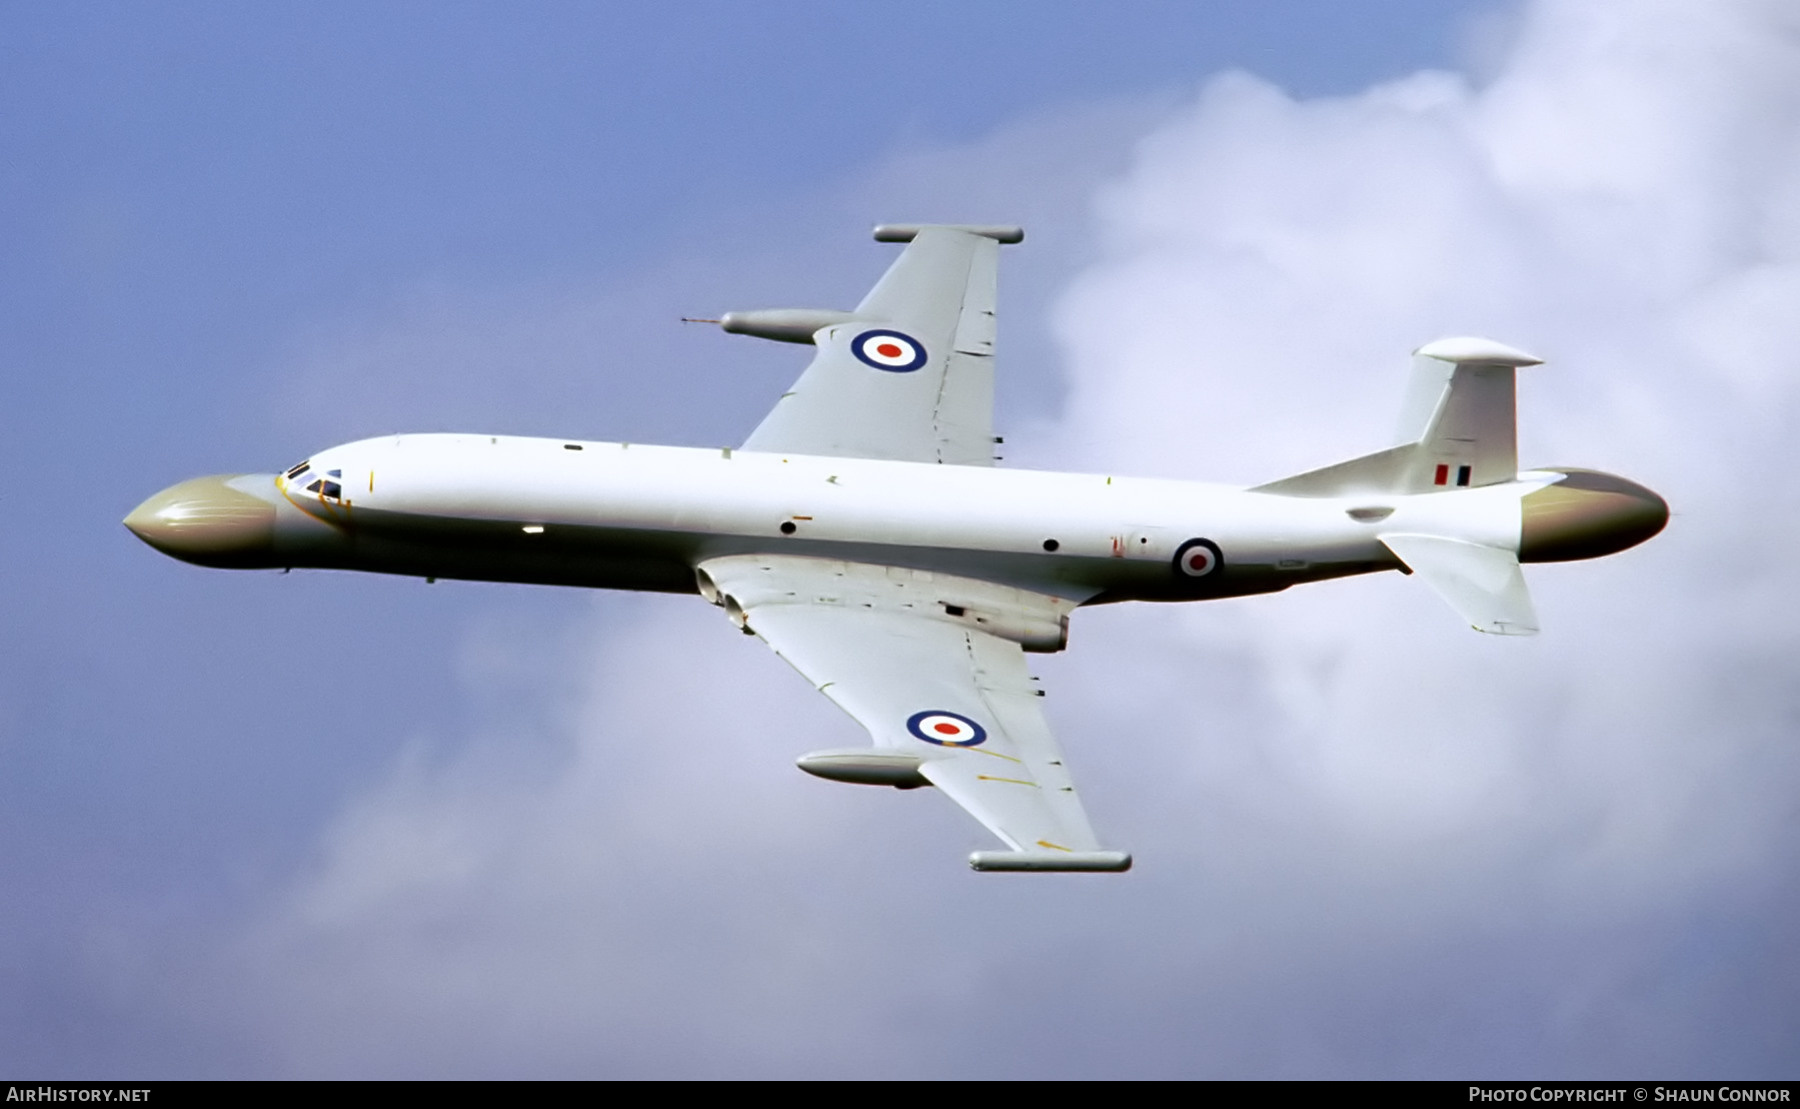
column 1458, row 428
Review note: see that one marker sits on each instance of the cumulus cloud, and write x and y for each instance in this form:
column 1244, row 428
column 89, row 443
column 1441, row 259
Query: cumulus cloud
column 1370, row 842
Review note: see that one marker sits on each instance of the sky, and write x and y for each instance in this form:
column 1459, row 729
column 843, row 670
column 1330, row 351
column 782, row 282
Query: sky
column 327, row 825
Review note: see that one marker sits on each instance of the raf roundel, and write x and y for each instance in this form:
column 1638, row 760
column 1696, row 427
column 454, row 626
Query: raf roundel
column 946, row 729
column 1197, row 558
column 892, row 351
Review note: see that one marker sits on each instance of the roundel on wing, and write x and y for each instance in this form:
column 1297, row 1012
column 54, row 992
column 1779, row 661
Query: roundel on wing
column 1197, row 558
column 946, row 729
column 893, row 351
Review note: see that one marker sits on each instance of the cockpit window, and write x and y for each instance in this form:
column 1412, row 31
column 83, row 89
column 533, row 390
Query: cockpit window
column 334, row 473
column 327, row 489
column 298, row 470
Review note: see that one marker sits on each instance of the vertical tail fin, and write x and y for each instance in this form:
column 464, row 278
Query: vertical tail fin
column 1458, row 428
column 1460, row 413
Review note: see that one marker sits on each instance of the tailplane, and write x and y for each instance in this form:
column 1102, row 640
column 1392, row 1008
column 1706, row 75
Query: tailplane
column 1483, row 584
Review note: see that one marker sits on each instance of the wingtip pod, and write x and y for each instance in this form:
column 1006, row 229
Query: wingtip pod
column 1102, row 862
column 906, row 232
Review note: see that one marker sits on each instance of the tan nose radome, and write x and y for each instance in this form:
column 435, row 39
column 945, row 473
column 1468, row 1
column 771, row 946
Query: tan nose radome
column 207, row 521
column 1586, row 515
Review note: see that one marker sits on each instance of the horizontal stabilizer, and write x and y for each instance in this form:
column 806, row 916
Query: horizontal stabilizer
column 1103, row 861
column 1483, row 584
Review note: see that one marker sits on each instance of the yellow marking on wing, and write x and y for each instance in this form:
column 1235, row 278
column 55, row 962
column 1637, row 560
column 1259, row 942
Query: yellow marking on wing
column 996, row 754
column 1014, row 781
column 1054, row 846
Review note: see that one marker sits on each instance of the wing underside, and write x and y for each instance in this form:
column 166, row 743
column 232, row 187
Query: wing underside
column 916, row 660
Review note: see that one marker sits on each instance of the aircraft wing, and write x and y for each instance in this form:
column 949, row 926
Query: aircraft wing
column 910, row 376
column 933, row 667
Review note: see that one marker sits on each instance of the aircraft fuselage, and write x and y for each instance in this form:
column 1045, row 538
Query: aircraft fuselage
column 631, row 516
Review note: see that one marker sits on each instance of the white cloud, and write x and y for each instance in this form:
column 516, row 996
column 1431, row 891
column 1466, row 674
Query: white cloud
column 1619, row 199
column 1370, row 841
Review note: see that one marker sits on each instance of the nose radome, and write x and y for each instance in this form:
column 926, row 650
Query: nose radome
column 210, row 520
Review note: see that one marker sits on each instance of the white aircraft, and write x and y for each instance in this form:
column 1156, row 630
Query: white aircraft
column 863, row 532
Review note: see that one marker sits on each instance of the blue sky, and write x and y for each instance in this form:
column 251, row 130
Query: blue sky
column 236, row 234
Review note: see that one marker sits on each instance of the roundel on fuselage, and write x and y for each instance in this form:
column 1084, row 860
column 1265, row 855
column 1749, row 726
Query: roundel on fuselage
column 893, row 351
column 1197, row 558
